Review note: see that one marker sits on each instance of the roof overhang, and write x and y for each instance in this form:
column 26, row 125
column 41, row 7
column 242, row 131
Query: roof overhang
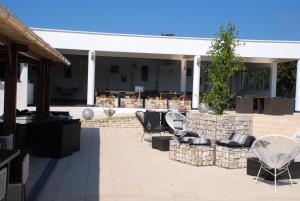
column 12, row 30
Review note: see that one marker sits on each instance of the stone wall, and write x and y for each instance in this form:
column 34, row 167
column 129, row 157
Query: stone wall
column 131, row 103
column 231, row 157
column 181, row 105
column 156, row 104
column 191, row 154
column 106, row 102
column 117, row 122
column 216, row 127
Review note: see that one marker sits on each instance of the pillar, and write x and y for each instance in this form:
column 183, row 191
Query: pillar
column 297, row 95
column 183, row 69
column 91, row 77
column 24, row 86
column 273, row 80
column 196, row 81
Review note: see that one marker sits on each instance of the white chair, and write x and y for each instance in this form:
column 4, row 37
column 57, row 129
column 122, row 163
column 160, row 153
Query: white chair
column 3, row 178
column 24, row 177
column 177, row 122
column 296, row 137
column 275, row 152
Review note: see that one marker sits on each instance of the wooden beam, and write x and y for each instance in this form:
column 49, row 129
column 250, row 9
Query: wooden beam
column 40, row 90
column 10, row 87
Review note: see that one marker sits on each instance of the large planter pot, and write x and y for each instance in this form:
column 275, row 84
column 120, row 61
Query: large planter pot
column 181, row 105
column 156, row 104
column 106, row 102
column 131, row 103
column 203, row 107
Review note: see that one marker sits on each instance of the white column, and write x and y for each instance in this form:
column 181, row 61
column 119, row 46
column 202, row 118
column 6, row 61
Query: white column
column 22, row 87
column 297, row 95
column 183, row 69
column 91, row 77
column 196, row 81
column 273, row 80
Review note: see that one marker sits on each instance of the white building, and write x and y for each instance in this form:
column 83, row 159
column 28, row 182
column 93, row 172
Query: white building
column 159, row 63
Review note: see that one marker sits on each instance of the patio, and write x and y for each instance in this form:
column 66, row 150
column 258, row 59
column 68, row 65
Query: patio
column 122, row 168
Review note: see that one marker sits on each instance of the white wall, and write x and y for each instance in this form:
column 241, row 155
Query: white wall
column 105, row 42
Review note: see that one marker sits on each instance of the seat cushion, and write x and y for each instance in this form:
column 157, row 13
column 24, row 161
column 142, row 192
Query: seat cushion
column 229, row 143
column 242, row 139
column 178, row 124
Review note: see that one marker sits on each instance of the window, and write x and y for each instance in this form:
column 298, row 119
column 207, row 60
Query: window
column 257, row 79
column 68, row 72
column 144, row 73
column 114, row 69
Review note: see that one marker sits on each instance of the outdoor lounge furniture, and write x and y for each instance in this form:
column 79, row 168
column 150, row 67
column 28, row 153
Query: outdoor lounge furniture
column 233, row 153
column 192, row 149
column 3, row 181
column 151, row 123
column 265, row 105
column 57, row 138
column 275, row 153
column 253, row 166
column 21, row 163
column 177, row 122
column 161, row 143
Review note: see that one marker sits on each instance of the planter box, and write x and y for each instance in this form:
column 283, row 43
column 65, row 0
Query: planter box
column 231, row 158
column 156, row 104
column 106, row 102
column 131, row 103
column 181, row 105
column 191, row 154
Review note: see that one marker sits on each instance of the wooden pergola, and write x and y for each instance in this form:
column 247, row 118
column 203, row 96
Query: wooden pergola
column 19, row 44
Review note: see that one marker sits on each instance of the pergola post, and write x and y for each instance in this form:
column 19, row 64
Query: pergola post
column 91, row 77
column 183, row 69
column 43, row 82
column 196, row 81
column 10, row 93
column 297, row 95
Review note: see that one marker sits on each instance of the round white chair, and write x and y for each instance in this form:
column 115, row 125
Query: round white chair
column 275, row 152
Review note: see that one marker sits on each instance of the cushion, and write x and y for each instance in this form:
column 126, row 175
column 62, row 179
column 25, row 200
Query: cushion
column 199, row 141
column 242, row 139
column 178, row 124
column 229, row 143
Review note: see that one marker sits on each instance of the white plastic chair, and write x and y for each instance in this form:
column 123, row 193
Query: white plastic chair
column 173, row 118
column 275, row 152
column 3, row 178
column 25, row 174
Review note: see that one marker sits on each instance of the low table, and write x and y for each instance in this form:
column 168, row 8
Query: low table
column 161, row 143
column 253, row 166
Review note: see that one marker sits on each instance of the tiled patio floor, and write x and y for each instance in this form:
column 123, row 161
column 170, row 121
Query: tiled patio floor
column 127, row 169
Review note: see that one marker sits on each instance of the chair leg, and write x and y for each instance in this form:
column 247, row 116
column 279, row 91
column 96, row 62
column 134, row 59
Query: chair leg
column 142, row 137
column 258, row 174
column 291, row 181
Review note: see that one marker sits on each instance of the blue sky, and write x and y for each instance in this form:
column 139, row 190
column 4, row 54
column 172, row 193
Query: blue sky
column 255, row 19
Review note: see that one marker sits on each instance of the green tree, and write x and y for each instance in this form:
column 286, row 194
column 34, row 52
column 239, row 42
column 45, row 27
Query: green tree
column 286, row 79
column 224, row 64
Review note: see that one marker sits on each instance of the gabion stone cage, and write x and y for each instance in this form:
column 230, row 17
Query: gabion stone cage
column 191, row 154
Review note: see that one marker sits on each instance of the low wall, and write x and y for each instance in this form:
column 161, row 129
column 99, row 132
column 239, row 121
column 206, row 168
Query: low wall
column 114, row 122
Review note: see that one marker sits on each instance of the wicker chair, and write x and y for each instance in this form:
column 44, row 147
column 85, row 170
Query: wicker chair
column 150, row 122
column 177, row 122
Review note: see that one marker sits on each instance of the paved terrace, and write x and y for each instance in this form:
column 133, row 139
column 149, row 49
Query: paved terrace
column 114, row 166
